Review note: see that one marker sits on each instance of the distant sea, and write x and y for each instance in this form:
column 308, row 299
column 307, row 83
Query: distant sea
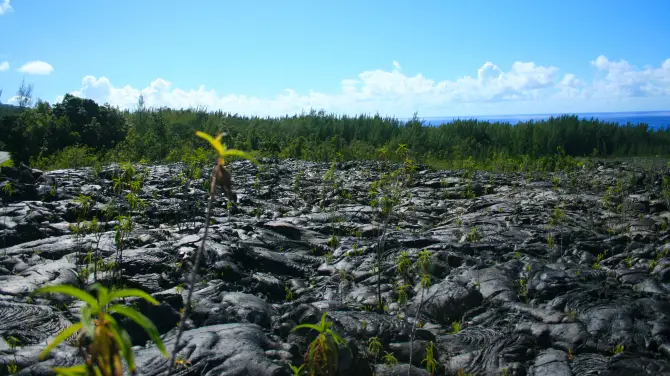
column 654, row 119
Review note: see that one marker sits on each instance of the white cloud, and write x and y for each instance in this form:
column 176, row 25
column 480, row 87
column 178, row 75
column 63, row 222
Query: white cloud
column 36, row 67
column 525, row 88
column 625, row 80
column 14, row 100
column 4, row 66
column 5, row 7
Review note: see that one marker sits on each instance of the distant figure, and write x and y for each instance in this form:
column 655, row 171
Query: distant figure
column 222, row 178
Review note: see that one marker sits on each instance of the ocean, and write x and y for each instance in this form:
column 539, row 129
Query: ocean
column 654, row 119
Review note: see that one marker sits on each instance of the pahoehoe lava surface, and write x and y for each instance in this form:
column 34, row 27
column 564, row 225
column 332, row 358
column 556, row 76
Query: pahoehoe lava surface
column 547, row 274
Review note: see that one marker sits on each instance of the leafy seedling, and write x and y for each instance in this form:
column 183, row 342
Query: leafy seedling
column 322, row 354
column 108, row 343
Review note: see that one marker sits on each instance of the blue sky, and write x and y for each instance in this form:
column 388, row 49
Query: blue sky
column 392, row 57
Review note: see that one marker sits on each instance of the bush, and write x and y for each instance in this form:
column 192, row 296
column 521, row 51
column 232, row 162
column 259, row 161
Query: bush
column 70, row 157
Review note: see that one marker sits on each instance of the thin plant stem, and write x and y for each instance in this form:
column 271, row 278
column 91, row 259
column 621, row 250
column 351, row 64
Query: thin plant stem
column 413, row 332
column 194, row 276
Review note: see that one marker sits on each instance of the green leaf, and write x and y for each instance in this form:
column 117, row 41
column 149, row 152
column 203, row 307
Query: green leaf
column 71, row 371
column 215, row 142
column 338, row 340
column 132, row 293
column 72, row 291
column 62, row 336
column 103, row 293
column 125, row 344
column 86, row 321
column 239, row 153
column 308, row 326
column 324, row 323
column 142, row 321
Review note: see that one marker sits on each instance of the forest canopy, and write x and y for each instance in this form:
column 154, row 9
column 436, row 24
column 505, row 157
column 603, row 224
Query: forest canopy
column 80, row 132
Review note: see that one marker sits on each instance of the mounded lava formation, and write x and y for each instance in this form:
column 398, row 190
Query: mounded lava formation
column 527, row 274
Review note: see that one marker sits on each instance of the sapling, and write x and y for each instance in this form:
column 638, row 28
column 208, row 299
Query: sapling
column 431, row 363
column 343, row 283
column 456, row 327
column 97, row 229
column 223, row 152
column 121, row 232
column 8, row 191
column 13, row 343
column 557, row 218
column 374, row 347
column 422, row 264
column 322, row 354
column 387, row 193
column 108, row 343
column 296, row 183
column 12, row 367
column 289, row 293
column 83, row 206
column 390, row 360
column 403, row 264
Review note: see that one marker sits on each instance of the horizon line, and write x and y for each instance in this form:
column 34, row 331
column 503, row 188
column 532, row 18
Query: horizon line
column 544, row 114
column 448, row 116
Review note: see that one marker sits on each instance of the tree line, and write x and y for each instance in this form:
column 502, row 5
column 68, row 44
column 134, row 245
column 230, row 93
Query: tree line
column 77, row 132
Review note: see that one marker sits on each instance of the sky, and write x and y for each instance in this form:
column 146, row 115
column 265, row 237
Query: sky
column 392, row 57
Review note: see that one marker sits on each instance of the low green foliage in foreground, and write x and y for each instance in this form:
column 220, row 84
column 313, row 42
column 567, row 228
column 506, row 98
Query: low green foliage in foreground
column 109, row 343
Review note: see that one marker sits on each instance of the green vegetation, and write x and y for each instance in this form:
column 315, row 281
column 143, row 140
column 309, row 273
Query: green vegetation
column 322, row 354
column 618, row 349
column 222, row 152
column 109, row 343
column 431, row 363
column 79, row 132
column 374, row 347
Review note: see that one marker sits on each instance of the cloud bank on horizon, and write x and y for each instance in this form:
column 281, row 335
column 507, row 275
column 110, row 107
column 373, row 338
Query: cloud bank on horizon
column 556, row 74
column 391, row 92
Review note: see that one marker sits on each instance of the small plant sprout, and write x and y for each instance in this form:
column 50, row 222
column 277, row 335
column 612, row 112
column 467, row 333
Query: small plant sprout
column 403, row 263
column 322, row 354
column 109, row 342
column 374, row 346
column 401, row 291
column 13, row 342
column 297, row 371
column 12, row 367
column 618, row 349
column 289, row 293
column 431, row 363
column 390, row 360
column 7, row 189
